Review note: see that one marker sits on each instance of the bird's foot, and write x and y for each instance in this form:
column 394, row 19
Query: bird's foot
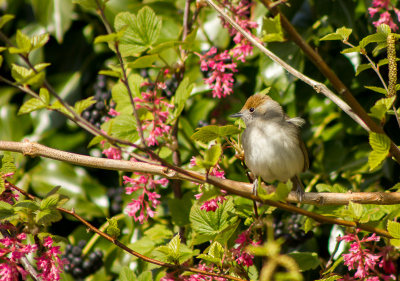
column 255, row 186
column 300, row 192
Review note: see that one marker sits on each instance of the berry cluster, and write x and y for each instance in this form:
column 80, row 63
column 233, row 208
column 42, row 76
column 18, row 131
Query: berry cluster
column 79, row 267
column 97, row 113
column 290, row 230
column 171, row 83
column 114, row 195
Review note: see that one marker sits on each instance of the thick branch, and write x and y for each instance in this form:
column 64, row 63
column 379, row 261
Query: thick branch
column 243, row 189
column 355, row 107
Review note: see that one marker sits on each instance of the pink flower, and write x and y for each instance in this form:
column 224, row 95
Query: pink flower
column 384, row 7
column 212, row 204
column 144, row 182
column 242, row 256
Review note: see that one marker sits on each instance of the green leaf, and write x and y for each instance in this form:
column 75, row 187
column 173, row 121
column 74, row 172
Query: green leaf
column 394, row 229
column 374, row 38
column 379, row 142
column 395, row 242
column 83, row 104
column 356, row 210
column 351, row 50
column 227, row 233
column 363, row 67
column 7, row 212
column 272, row 29
column 57, row 105
column 384, row 28
column 23, row 42
column 215, row 254
column 53, row 201
column 27, row 204
column 336, row 188
column 212, row 156
column 380, row 108
column 112, row 37
column 182, row 94
column 165, row 46
column 142, row 31
column 309, row 225
column 31, row 105
column 124, row 127
column 159, row 232
column 377, row 89
column 5, row 18
column 39, row 41
column 143, row 62
column 190, row 39
column 331, row 36
column 111, row 73
column 89, row 4
column 180, row 210
column 172, row 250
column 1, row 60
column 7, row 164
column 120, row 93
column 375, row 159
column 379, row 47
column 263, row 92
column 344, row 32
column 335, row 264
column 126, row 274
column 145, row 276
column 211, row 132
column 48, row 216
column 306, row 261
column 112, row 228
column 213, row 223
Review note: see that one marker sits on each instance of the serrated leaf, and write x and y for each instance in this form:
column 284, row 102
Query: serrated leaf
column 379, row 47
column 39, row 41
column 227, row 233
column 44, row 95
column 355, row 209
column 379, row 142
column 83, row 104
column 336, row 188
column 394, row 229
column 362, row 67
column 377, row 89
column 53, row 201
column 174, row 246
column 57, row 105
column 206, row 134
column 272, row 29
column 212, row 156
column 48, row 216
column 7, row 164
column 164, row 249
column 5, row 18
column 395, row 242
column 351, row 50
column 113, row 229
column 23, row 42
column 308, row 225
column 375, row 159
column 145, row 276
column 143, row 62
column 380, row 108
column 126, row 274
column 110, row 73
column 182, row 94
column 27, row 204
column 213, row 223
column 331, row 278
column 124, row 127
column 165, row 46
column 263, row 92
column 374, row 38
column 120, row 93
column 331, row 36
column 344, row 32
column 306, row 261
column 384, row 28
column 142, row 31
column 31, row 105
column 96, row 140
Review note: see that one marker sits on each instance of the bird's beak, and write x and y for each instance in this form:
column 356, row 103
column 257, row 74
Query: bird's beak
column 239, row 114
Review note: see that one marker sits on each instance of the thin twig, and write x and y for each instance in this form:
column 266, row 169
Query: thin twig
column 125, row 248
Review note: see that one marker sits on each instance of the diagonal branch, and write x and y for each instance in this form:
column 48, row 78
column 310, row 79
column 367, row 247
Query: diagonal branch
column 316, row 59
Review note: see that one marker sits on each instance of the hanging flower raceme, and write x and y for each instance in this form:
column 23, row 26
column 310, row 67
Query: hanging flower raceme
column 159, row 108
column 384, row 7
column 146, row 209
column 240, row 253
column 364, row 260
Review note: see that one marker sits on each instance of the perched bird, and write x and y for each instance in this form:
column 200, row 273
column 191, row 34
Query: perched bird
column 273, row 148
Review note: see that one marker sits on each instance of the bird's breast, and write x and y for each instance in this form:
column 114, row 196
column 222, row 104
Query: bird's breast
column 272, row 151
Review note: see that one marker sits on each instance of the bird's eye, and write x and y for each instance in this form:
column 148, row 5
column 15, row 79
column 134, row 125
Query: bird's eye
column 251, row 109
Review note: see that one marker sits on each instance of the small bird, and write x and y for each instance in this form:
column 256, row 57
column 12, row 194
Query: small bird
column 273, row 148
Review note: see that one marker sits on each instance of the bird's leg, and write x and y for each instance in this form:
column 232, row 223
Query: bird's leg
column 298, row 187
column 255, row 186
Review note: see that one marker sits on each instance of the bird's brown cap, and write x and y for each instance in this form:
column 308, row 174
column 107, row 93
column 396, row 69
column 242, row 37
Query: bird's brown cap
column 255, row 101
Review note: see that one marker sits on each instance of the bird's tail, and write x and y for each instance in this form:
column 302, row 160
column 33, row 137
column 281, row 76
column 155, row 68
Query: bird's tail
column 298, row 187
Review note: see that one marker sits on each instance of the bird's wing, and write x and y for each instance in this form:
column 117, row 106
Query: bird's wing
column 298, row 122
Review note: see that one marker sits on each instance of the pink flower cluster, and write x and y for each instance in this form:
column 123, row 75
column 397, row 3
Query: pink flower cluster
column 220, row 82
column 144, row 182
column 13, row 250
column 244, row 240
column 49, row 262
column 157, row 106
column 384, row 7
column 11, row 255
column 364, row 260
